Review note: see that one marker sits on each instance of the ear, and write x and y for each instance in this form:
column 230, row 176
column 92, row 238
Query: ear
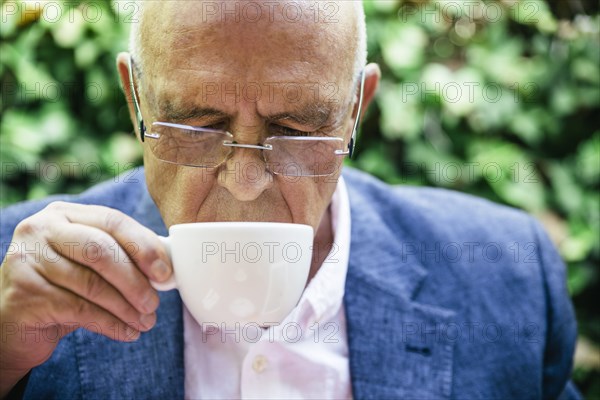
column 123, row 69
column 372, row 77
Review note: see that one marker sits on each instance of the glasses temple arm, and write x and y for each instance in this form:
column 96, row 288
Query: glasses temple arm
column 358, row 115
column 136, row 105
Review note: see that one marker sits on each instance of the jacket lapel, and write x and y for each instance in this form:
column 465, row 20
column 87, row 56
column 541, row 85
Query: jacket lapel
column 398, row 347
column 151, row 367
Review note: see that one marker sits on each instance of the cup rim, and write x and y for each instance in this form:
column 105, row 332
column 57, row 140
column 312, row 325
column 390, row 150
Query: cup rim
column 242, row 225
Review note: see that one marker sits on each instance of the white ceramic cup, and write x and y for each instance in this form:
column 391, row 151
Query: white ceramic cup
column 239, row 272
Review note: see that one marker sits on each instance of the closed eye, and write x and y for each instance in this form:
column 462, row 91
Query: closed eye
column 218, row 126
column 279, row 130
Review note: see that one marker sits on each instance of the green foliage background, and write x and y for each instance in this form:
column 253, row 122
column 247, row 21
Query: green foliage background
column 496, row 98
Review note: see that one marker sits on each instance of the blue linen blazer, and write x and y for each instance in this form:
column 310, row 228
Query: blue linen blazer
column 447, row 296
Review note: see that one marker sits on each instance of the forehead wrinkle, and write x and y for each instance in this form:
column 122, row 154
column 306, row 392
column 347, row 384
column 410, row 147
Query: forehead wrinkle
column 199, row 38
column 185, row 28
column 173, row 24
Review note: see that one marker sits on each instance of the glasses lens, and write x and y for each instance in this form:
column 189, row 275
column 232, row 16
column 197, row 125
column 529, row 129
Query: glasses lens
column 189, row 146
column 304, row 156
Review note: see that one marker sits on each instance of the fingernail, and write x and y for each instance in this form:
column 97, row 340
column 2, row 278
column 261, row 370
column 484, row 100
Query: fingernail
column 150, row 304
column 148, row 320
column 159, row 270
column 131, row 334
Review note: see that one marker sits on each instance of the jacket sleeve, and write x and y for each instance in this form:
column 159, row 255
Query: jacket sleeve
column 561, row 333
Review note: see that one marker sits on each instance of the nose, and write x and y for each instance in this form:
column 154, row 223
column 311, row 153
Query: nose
column 244, row 173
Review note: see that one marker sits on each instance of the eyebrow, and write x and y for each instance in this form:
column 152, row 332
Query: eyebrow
column 312, row 114
column 173, row 113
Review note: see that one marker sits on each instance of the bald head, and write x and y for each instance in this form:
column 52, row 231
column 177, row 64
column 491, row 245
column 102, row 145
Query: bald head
column 315, row 31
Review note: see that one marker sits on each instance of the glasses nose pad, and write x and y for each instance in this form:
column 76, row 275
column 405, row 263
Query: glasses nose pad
column 272, row 161
column 247, row 154
column 227, row 151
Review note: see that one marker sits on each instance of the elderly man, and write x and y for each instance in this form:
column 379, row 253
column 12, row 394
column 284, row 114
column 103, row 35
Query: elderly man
column 268, row 83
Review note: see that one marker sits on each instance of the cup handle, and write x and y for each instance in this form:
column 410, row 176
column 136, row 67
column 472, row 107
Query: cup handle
column 170, row 283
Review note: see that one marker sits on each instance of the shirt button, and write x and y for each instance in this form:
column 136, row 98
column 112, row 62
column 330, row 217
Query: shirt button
column 259, row 364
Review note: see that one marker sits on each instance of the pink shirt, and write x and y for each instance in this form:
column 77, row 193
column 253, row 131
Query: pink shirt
column 306, row 356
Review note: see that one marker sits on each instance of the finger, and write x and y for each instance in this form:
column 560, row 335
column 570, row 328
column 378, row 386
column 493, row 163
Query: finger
column 98, row 251
column 72, row 310
column 88, row 284
column 141, row 244
column 60, row 306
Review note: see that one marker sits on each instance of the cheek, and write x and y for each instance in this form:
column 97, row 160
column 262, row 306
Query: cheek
column 157, row 175
column 177, row 191
column 308, row 198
